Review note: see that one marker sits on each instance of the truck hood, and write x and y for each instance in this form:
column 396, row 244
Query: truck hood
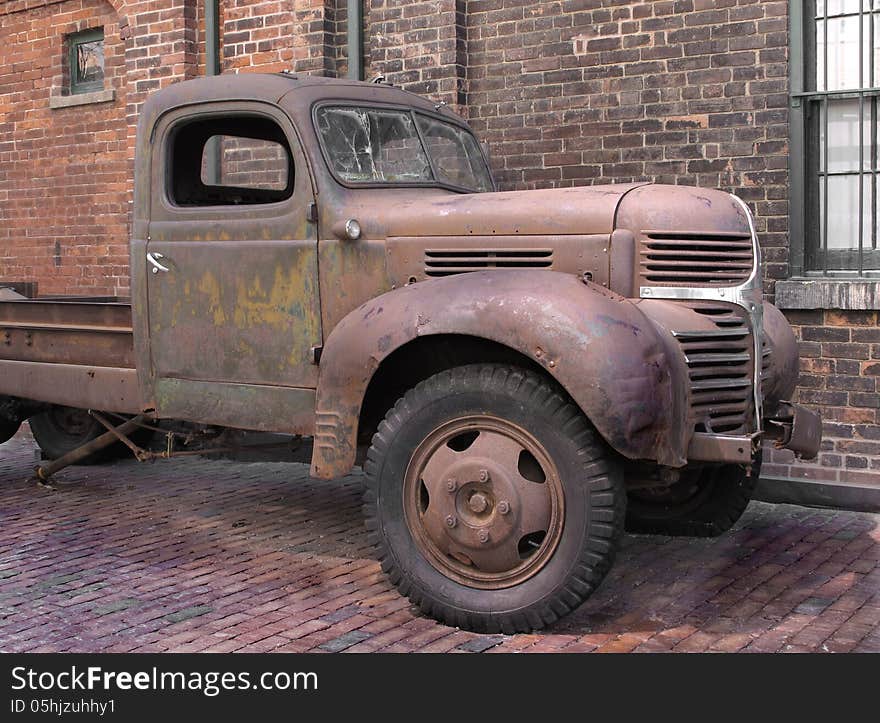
column 555, row 211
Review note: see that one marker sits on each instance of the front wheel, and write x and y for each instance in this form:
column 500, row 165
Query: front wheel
column 492, row 502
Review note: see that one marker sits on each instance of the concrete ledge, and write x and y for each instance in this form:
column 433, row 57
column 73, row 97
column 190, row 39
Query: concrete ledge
column 69, row 101
column 809, row 493
column 846, row 294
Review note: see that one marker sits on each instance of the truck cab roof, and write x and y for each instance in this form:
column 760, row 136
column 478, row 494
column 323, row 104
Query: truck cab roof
column 296, row 93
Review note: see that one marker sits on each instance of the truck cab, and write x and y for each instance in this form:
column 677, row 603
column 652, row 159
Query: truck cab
column 513, row 370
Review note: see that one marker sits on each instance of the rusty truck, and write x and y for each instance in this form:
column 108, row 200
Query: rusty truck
column 523, row 375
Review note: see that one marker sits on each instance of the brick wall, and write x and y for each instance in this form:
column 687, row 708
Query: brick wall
column 567, row 92
column 421, row 46
column 278, row 35
column 840, row 376
column 63, row 173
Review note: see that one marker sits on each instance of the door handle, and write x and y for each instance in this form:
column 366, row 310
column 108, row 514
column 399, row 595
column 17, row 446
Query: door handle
column 152, row 257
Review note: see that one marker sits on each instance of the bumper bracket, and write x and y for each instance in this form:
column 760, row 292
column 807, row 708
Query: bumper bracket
column 796, row 428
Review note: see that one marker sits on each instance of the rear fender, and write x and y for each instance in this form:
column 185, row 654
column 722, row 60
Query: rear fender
column 601, row 349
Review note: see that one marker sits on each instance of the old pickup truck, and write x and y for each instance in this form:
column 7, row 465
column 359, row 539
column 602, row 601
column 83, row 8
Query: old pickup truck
column 522, row 374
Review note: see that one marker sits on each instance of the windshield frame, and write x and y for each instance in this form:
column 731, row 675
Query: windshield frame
column 411, row 111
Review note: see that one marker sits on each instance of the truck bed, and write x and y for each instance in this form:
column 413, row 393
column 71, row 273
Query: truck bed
column 74, row 351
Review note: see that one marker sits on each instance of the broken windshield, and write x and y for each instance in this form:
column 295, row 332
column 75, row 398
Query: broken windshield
column 378, row 145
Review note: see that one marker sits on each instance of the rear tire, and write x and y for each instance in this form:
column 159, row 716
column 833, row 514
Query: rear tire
column 62, row 429
column 459, row 473
column 8, row 429
column 705, row 503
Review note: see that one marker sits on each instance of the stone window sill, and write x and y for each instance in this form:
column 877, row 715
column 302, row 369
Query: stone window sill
column 69, row 101
column 844, row 294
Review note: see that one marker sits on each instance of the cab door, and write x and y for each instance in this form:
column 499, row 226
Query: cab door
column 232, row 267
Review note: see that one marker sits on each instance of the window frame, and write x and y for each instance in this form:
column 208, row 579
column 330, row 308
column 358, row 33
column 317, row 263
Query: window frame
column 168, row 141
column 324, row 103
column 74, row 40
column 807, row 258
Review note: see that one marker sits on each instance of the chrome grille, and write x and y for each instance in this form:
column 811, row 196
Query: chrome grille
column 720, row 370
column 670, row 258
column 446, row 262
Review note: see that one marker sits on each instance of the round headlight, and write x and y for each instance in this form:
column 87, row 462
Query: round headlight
column 352, row 229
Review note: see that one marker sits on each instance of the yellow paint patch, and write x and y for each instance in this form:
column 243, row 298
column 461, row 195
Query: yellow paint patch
column 284, row 306
column 210, row 287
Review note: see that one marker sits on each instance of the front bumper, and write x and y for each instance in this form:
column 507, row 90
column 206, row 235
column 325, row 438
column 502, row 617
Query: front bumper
column 790, row 427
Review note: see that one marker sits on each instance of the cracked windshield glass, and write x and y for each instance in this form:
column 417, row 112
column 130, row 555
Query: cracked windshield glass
column 372, row 145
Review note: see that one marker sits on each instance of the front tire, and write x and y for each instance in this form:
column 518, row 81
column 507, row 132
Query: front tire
column 492, row 502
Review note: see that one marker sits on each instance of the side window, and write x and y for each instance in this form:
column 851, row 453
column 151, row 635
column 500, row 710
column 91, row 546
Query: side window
column 237, row 160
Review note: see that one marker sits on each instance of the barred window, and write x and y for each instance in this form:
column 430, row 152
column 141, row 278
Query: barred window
column 835, row 73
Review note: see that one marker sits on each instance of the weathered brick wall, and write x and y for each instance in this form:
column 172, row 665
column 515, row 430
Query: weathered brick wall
column 420, row 45
column 63, row 173
column 566, row 91
column 278, row 35
column 840, row 376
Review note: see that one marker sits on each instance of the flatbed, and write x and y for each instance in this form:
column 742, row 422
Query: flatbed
column 70, row 351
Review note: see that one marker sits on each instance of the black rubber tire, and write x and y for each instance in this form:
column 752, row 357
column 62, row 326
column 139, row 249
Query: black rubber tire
column 56, row 437
column 8, row 429
column 591, row 479
column 720, row 496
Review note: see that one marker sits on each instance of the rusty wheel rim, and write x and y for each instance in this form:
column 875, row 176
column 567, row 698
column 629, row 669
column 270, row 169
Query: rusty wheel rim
column 484, row 502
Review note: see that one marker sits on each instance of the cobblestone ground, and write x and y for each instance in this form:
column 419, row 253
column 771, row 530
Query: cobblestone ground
column 198, row 555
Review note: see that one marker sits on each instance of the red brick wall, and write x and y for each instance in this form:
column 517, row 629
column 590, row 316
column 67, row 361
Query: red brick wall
column 567, row 92
column 421, row 45
column 840, row 369
column 278, row 35
column 63, row 173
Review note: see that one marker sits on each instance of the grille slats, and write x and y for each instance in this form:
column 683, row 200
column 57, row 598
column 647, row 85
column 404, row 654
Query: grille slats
column 669, row 258
column 445, row 262
column 715, row 358
column 713, row 384
column 720, row 369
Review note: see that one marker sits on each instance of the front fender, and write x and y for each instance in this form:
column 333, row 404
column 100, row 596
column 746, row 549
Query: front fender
column 603, row 351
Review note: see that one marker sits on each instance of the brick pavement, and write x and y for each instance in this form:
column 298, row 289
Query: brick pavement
column 199, row 555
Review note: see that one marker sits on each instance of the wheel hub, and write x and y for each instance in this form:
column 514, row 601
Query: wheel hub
column 479, row 516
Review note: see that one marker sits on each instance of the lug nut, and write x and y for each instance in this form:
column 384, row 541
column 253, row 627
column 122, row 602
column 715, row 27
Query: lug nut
column 451, row 521
column 504, row 507
column 451, row 485
column 483, row 536
column 484, row 475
